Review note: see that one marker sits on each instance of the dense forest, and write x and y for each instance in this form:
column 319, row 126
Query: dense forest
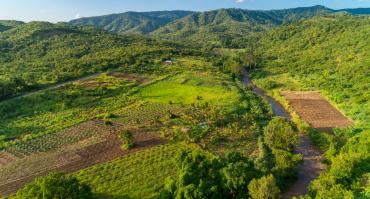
column 132, row 22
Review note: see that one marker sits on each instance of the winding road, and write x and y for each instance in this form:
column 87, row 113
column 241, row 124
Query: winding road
column 312, row 164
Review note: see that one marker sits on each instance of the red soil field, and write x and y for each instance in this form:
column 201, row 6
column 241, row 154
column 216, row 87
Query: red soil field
column 313, row 108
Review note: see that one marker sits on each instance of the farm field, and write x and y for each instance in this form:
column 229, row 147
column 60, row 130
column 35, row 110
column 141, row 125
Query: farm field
column 77, row 126
column 137, row 175
column 316, row 110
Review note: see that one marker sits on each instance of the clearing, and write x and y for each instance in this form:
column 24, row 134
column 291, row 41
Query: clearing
column 313, row 108
column 91, row 143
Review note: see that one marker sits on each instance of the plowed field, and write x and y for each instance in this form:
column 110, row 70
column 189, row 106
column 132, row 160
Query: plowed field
column 312, row 107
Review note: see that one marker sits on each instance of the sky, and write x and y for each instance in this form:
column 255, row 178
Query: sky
column 65, row 10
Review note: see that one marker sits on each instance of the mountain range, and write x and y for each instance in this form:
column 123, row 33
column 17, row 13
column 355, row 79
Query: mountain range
column 220, row 27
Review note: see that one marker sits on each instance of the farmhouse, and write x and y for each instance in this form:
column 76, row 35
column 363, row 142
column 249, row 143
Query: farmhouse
column 168, row 62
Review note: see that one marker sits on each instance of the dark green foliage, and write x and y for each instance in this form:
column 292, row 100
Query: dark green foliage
column 132, row 22
column 348, row 174
column 198, row 177
column 8, row 24
column 264, row 188
column 280, row 135
column 38, row 54
column 55, row 185
column 322, row 56
column 238, row 171
column 203, row 177
column 127, row 140
column 266, row 160
column 228, row 27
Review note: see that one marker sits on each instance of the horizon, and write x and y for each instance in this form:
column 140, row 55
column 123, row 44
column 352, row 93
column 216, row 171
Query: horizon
column 64, row 10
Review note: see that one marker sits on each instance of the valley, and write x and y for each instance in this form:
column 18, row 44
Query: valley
column 228, row 103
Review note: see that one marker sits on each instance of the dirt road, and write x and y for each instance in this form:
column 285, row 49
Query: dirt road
column 51, row 87
column 312, row 164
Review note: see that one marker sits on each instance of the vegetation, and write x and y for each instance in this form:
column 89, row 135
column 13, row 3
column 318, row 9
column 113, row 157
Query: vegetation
column 264, row 187
column 280, row 135
column 138, row 175
column 329, row 54
column 38, row 54
column 132, row 22
column 222, row 141
column 229, row 27
column 127, row 140
column 55, row 185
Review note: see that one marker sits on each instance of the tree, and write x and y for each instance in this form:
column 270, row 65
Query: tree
column 280, row 135
column 198, row 177
column 264, row 188
column 238, row 172
column 265, row 160
column 55, row 185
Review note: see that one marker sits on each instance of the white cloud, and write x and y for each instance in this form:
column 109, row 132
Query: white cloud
column 77, row 16
column 240, row 1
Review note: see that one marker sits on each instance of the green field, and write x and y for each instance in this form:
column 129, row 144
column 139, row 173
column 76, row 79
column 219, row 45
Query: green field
column 139, row 175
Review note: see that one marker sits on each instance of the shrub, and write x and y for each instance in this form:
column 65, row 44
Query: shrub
column 55, row 185
column 127, row 140
column 280, row 135
column 264, row 188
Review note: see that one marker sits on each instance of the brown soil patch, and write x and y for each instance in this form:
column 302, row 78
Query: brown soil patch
column 312, row 107
column 69, row 161
column 5, row 158
column 130, row 76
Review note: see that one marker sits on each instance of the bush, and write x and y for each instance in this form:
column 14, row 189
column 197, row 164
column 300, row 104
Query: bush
column 55, row 185
column 238, row 171
column 127, row 140
column 280, row 135
column 198, row 177
column 264, row 188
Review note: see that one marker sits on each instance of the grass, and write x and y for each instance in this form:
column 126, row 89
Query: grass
column 138, row 175
column 190, row 88
column 54, row 110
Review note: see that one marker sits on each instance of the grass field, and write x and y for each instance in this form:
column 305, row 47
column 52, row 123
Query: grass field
column 189, row 88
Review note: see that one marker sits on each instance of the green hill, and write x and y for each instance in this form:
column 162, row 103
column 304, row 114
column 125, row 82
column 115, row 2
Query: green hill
column 132, row 22
column 330, row 54
column 37, row 54
column 8, row 24
column 227, row 26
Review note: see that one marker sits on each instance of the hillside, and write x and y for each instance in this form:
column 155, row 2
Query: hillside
column 329, row 54
column 227, row 26
column 8, row 24
column 37, row 54
column 132, row 22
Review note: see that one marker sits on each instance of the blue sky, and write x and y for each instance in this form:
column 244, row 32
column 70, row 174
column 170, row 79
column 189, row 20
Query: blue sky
column 63, row 10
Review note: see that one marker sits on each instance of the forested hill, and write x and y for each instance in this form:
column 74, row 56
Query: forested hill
column 330, row 53
column 8, row 24
column 226, row 26
column 37, row 54
column 132, row 22
column 356, row 11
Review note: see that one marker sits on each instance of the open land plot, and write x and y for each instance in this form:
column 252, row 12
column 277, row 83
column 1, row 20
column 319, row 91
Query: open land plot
column 137, row 175
column 101, row 146
column 312, row 107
